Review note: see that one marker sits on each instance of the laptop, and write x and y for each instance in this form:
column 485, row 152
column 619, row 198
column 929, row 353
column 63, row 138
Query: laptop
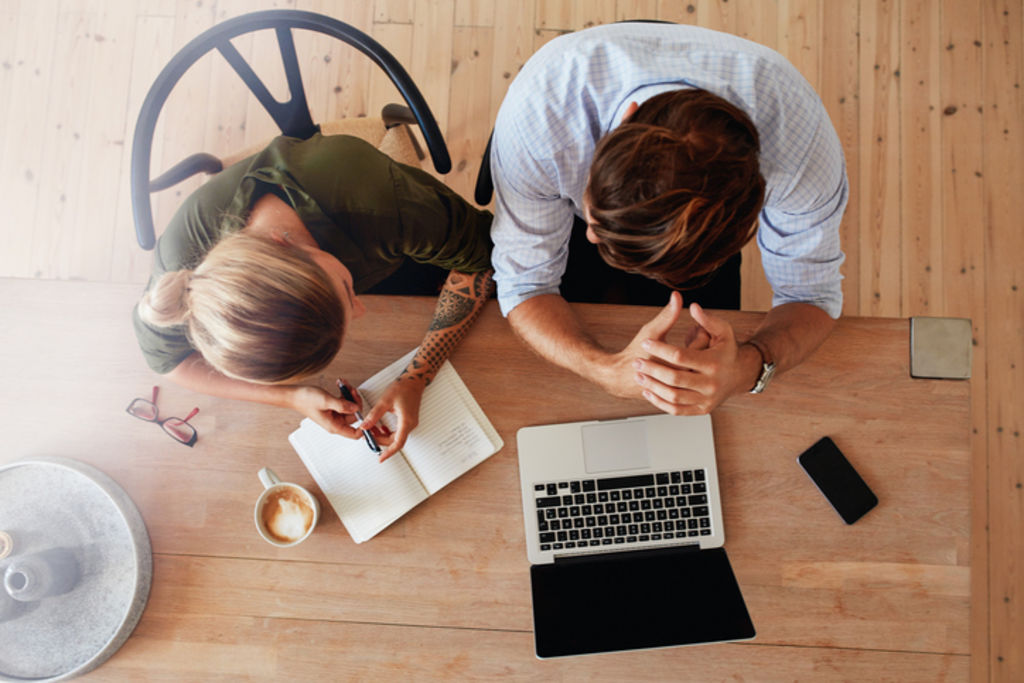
column 624, row 536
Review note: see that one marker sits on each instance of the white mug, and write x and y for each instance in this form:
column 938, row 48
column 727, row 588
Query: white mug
column 285, row 513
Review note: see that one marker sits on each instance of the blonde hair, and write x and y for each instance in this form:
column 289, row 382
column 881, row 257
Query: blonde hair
column 256, row 310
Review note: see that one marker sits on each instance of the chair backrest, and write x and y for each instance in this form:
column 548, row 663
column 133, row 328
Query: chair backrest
column 292, row 116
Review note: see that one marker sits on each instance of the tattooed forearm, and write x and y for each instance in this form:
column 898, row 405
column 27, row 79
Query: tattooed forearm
column 452, row 308
column 461, row 301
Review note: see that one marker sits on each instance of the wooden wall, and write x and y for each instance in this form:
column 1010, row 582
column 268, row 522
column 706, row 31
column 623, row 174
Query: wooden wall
column 925, row 95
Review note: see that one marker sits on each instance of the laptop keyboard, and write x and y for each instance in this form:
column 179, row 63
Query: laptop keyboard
column 622, row 510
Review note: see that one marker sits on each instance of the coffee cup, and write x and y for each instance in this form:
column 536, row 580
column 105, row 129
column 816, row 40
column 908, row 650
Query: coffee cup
column 285, row 513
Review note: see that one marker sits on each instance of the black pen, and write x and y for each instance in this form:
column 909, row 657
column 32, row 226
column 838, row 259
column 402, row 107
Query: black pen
column 347, row 395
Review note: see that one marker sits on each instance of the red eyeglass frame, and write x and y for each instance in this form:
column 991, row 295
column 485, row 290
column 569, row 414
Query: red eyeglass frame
column 167, row 424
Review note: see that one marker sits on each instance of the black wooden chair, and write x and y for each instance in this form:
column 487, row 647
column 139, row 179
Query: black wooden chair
column 292, row 118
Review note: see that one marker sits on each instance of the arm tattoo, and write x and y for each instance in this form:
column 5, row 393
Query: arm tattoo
column 452, row 308
column 461, row 301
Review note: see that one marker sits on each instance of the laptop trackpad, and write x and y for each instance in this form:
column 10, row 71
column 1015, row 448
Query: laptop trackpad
column 614, row 446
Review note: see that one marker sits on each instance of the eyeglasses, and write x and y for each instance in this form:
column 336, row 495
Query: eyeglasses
column 178, row 429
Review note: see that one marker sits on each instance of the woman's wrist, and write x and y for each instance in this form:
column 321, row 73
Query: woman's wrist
column 287, row 395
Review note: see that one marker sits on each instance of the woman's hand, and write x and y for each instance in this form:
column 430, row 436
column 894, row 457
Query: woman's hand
column 330, row 412
column 462, row 298
column 403, row 399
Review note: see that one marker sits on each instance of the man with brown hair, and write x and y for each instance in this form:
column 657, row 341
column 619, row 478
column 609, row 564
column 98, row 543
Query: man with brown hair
column 635, row 159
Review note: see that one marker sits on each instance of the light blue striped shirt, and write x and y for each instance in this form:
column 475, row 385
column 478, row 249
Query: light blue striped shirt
column 576, row 89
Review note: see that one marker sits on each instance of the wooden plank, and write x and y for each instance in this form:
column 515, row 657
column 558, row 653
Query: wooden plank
column 636, row 9
column 898, row 579
column 152, row 50
column 513, row 45
column 678, row 11
column 719, row 15
column 475, row 12
column 397, row 39
column 756, row 21
column 1003, row 59
column 336, row 75
column 28, row 71
column 184, row 113
column 880, row 290
column 469, row 120
column 226, row 126
column 61, row 156
column 167, row 646
column 554, row 15
column 9, row 16
column 109, row 61
column 965, row 196
column 594, row 13
column 920, row 150
column 963, row 214
column 430, row 62
column 799, row 37
column 394, row 11
column 839, row 92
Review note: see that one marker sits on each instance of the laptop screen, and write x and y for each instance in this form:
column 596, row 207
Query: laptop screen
column 636, row 600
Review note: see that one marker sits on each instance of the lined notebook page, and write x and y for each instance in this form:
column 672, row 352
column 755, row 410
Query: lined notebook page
column 455, row 440
column 366, row 494
column 453, row 434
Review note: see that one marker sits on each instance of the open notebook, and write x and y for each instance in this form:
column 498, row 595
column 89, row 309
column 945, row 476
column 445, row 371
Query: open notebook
column 453, row 436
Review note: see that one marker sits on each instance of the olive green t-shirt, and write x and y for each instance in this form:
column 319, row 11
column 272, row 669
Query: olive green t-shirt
column 360, row 206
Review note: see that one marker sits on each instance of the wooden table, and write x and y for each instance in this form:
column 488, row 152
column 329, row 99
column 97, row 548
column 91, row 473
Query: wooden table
column 444, row 592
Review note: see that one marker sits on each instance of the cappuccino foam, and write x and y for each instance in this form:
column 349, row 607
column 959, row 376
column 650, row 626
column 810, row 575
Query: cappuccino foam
column 286, row 515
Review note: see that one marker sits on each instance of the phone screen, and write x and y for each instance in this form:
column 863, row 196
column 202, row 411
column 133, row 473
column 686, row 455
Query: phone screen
column 835, row 477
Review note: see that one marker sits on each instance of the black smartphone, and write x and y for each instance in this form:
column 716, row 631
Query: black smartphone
column 835, row 477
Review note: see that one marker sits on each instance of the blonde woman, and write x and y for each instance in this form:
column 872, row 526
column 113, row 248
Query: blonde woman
column 256, row 277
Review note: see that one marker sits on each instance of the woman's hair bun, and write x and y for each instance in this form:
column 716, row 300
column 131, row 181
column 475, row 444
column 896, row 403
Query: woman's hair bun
column 166, row 302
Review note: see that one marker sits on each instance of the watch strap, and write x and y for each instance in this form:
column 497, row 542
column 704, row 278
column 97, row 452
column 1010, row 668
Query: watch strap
column 766, row 355
column 767, row 366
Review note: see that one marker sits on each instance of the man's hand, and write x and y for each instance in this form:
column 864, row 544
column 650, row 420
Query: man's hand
column 696, row 379
column 618, row 372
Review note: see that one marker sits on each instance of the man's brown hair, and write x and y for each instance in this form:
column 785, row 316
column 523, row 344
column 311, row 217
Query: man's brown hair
column 676, row 190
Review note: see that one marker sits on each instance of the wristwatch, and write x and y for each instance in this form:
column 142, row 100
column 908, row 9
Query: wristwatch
column 767, row 366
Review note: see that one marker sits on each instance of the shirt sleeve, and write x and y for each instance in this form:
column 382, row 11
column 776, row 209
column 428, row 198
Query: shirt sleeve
column 532, row 222
column 381, row 210
column 799, row 229
column 437, row 225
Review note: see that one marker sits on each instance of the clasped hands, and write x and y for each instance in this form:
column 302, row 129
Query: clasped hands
column 692, row 379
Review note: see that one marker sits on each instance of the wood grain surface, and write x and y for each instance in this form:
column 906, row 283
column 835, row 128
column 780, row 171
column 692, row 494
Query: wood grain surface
column 925, row 97
column 444, row 592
